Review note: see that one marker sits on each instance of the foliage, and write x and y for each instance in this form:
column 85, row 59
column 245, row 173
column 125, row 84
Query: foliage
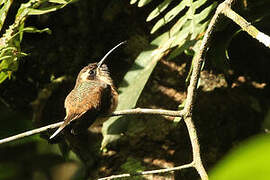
column 10, row 49
column 184, row 35
column 248, row 161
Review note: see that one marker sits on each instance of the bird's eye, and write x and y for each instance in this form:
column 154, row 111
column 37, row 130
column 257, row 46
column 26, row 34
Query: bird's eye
column 92, row 73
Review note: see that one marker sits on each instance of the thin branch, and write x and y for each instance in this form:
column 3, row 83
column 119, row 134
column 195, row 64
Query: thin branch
column 195, row 148
column 149, row 172
column 116, row 113
column 31, row 132
column 148, row 111
column 246, row 26
column 191, row 94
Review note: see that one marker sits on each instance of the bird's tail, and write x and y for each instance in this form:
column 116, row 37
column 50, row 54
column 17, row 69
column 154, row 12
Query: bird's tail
column 59, row 129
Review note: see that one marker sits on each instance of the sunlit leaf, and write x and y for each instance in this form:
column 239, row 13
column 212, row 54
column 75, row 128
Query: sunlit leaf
column 10, row 39
column 35, row 30
column 4, row 10
column 250, row 160
column 3, row 58
column 58, row 1
column 143, row 2
column 204, row 13
column 133, row 1
column 3, row 76
column 198, row 3
column 170, row 15
column 159, row 9
column 183, row 34
column 178, row 25
column 46, row 10
column 181, row 47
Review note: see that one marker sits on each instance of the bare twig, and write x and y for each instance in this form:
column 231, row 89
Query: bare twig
column 148, row 111
column 116, row 113
column 31, row 132
column 191, row 94
column 149, row 172
column 246, row 26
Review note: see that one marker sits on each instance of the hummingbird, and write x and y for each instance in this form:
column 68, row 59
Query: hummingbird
column 94, row 92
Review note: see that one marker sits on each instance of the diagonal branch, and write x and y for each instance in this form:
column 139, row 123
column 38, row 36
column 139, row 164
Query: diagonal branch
column 246, row 26
column 30, row 133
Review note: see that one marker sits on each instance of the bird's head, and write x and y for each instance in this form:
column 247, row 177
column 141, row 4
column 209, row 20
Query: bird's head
column 96, row 72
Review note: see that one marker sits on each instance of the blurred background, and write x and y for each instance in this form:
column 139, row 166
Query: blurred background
column 38, row 68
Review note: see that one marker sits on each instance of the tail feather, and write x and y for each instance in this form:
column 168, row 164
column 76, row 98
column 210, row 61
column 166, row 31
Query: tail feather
column 59, row 129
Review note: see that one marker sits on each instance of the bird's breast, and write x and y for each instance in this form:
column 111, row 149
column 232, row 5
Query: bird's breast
column 83, row 90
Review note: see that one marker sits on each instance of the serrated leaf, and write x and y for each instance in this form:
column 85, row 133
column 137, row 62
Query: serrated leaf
column 170, row 15
column 159, row 9
column 143, row 2
column 135, row 79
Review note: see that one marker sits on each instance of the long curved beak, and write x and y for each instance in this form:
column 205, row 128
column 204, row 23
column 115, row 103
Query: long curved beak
column 108, row 53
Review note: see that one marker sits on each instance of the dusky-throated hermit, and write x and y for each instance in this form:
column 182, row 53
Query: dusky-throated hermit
column 94, row 92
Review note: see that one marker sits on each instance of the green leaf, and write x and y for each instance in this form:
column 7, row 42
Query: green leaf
column 198, row 3
column 31, row 29
column 4, row 11
column 178, row 25
column 132, row 86
column 204, row 13
column 181, row 47
column 183, row 34
column 3, row 58
column 45, row 10
column 133, row 1
column 170, row 15
column 159, row 9
column 3, row 76
column 58, row 1
column 143, row 2
column 248, row 161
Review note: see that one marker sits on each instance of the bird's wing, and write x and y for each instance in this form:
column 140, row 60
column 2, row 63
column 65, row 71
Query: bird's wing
column 76, row 107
